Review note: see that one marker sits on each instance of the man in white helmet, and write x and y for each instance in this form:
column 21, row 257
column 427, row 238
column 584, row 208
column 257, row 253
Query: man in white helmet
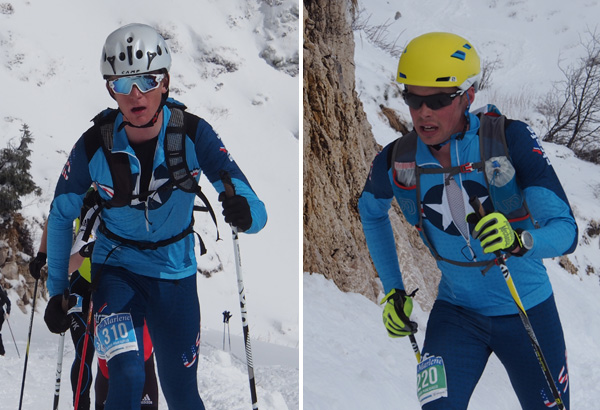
column 435, row 172
column 145, row 158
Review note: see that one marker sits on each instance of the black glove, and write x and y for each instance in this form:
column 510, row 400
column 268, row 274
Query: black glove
column 236, row 211
column 36, row 264
column 56, row 317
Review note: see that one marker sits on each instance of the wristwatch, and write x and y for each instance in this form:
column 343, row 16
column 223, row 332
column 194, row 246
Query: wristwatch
column 527, row 240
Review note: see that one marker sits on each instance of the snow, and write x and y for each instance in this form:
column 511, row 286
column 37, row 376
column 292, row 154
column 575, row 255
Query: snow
column 49, row 54
column 349, row 361
column 235, row 64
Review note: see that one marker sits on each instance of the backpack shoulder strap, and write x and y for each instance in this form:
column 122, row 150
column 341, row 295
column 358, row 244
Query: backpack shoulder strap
column 405, row 148
column 492, row 136
column 403, row 159
column 180, row 125
column 100, row 135
column 120, row 171
column 493, row 147
column 174, row 147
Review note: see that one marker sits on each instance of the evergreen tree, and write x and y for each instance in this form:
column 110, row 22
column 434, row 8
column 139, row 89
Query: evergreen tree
column 15, row 179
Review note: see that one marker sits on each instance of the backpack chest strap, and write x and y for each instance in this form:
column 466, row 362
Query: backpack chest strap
column 455, row 170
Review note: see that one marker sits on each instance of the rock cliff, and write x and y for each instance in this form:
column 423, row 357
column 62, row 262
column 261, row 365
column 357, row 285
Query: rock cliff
column 338, row 149
column 15, row 250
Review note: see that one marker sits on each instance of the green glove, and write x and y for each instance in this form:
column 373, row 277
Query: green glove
column 396, row 314
column 495, row 233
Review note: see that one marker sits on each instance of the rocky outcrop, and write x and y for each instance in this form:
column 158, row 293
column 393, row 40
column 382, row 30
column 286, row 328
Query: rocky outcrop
column 338, row 146
column 15, row 250
column 338, row 149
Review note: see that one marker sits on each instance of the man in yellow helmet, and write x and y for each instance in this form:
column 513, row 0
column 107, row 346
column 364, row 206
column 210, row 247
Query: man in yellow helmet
column 451, row 157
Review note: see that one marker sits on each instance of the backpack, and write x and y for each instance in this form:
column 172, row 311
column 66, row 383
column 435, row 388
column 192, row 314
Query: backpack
column 495, row 163
column 180, row 124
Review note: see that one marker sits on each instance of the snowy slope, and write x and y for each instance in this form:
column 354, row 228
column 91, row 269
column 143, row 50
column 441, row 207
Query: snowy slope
column 235, row 64
column 349, row 361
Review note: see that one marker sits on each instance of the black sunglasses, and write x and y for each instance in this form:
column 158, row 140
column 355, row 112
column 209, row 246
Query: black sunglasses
column 435, row 101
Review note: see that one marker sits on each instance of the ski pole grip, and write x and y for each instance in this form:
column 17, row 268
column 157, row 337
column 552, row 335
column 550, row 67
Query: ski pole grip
column 477, row 207
column 480, row 213
column 65, row 300
column 226, row 180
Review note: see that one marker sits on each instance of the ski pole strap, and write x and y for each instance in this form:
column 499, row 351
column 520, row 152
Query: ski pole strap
column 399, row 307
column 210, row 210
column 480, row 213
column 228, row 184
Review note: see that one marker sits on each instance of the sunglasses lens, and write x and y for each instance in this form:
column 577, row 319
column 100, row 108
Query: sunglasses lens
column 440, row 101
column 144, row 83
column 434, row 102
column 413, row 101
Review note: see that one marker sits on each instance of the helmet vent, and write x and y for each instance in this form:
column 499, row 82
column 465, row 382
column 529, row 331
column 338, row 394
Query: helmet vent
column 459, row 54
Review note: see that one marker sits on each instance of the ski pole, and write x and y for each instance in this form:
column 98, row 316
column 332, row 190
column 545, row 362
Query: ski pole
column 28, row 343
column 13, row 337
column 406, row 319
column 229, row 192
column 88, row 329
column 61, row 347
column 415, row 347
column 413, row 339
column 224, row 321
column 500, row 260
column 229, row 336
column 226, row 317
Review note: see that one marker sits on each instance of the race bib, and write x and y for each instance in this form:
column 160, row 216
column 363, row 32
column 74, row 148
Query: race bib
column 115, row 334
column 431, row 379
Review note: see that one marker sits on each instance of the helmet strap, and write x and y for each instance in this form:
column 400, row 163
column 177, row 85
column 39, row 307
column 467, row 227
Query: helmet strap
column 457, row 136
column 468, row 107
column 438, row 147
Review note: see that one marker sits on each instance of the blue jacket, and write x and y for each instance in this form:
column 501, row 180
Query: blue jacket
column 466, row 286
column 161, row 217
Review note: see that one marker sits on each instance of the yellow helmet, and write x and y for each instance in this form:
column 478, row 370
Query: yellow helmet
column 439, row 60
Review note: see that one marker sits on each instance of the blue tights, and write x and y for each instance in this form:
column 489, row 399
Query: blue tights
column 172, row 313
column 465, row 340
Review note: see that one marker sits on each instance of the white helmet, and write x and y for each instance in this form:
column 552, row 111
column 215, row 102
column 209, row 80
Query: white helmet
column 134, row 49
